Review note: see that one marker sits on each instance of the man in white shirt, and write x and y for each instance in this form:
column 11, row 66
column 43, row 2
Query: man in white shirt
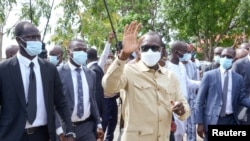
column 179, row 53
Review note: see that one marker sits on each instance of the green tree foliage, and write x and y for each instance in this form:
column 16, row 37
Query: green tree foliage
column 88, row 19
column 209, row 23
column 5, row 8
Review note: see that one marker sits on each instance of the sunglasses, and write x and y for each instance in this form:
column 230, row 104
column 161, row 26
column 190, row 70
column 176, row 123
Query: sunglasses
column 228, row 56
column 154, row 48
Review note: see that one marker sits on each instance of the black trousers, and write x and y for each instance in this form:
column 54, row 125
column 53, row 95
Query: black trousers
column 41, row 134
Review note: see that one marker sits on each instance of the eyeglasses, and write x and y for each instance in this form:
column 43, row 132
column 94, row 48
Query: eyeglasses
column 154, row 48
column 228, row 56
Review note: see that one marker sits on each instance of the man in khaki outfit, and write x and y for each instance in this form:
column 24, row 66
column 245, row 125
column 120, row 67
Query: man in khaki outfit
column 152, row 92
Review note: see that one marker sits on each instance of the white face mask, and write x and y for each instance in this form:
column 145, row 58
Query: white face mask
column 150, row 58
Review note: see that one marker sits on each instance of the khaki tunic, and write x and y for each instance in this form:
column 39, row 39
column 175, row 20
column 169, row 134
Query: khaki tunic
column 146, row 97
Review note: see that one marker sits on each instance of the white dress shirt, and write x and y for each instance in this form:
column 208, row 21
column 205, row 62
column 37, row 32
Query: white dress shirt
column 86, row 101
column 91, row 63
column 229, row 107
column 41, row 115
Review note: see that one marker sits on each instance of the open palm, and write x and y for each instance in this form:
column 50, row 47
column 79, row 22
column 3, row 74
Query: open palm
column 130, row 41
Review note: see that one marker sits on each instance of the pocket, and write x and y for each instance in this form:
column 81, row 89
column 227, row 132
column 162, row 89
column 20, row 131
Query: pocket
column 143, row 93
column 145, row 134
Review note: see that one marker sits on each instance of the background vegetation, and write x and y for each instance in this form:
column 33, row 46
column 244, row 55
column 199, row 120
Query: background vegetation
column 204, row 23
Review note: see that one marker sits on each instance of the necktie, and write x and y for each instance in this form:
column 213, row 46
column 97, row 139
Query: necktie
column 32, row 95
column 79, row 93
column 224, row 90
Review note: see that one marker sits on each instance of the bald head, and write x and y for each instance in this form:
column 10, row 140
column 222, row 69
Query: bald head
column 26, row 28
column 245, row 46
column 76, row 44
column 218, row 50
column 11, row 50
column 241, row 52
column 56, row 50
column 178, row 45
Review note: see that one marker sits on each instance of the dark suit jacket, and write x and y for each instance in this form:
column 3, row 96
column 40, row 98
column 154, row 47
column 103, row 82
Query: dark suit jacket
column 68, row 89
column 99, row 89
column 242, row 67
column 13, row 113
column 209, row 99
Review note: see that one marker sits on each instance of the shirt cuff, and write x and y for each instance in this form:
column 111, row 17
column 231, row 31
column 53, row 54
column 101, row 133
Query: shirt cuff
column 59, row 130
column 99, row 125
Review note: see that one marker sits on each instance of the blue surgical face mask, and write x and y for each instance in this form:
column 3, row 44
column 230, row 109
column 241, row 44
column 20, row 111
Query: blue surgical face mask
column 217, row 59
column 79, row 57
column 53, row 59
column 185, row 57
column 33, row 48
column 226, row 63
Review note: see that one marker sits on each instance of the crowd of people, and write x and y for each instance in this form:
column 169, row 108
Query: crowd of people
column 163, row 98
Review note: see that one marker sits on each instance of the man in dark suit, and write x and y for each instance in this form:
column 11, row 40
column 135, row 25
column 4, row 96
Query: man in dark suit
column 242, row 67
column 92, row 64
column 220, row 94
column 79, row 84
column 30, row 91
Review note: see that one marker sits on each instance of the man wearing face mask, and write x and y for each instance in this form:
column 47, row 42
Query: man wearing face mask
column 151, row 92
column 242, row 67
column 55, row 55
column 179, row 50
column 216, row 63
column 221, row 93
column 79, row 85
column 192, row 74
column 31, row 92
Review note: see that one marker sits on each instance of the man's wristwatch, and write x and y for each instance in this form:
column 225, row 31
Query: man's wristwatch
column 71, row 134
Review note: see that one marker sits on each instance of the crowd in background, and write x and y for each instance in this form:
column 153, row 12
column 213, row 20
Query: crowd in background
column 162, row 97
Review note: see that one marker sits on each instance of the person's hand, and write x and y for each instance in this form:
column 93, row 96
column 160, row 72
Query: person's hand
column 100, row 134
column 62, row 137
column 200, row 130
column 111, row 37
column 69, row 139
column 178, row 108
column 130, row 41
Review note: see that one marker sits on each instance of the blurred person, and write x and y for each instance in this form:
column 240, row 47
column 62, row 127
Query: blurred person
column 92, row 64
column 110, row 116
column 11, row 50
column 216, row 59
column 56, row 55
column 145, row 83
column 196, row 62
column 220, row 95
column 179, row 53
column 31, row 92
column 192, row 73
column 242, row 67
column 240, row 53
column 245, row 46
column 107, row 54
